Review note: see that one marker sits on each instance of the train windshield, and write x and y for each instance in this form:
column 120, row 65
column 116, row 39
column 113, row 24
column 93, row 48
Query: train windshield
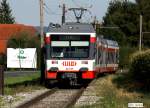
column 70, row 46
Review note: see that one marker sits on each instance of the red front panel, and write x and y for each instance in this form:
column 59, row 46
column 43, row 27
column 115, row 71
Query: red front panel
column 51, row 75
column 88, row 75
column 92, row 39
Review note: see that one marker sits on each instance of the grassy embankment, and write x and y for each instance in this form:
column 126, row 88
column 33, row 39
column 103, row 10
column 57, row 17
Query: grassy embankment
column 21, row 84
column 116, row 91
column 27, row 83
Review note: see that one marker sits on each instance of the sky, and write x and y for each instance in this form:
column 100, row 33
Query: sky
column 27, row 11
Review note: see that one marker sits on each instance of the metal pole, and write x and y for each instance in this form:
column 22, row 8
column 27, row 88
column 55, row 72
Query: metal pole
column 42, row 22
column 140, row 41
column 1, row 80
column 63, row 14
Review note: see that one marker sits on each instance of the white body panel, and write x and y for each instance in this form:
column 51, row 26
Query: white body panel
column 91, row 34
column 76, row 65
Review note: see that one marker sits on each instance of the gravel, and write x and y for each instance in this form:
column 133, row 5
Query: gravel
column 88, row 97
column 15, row 100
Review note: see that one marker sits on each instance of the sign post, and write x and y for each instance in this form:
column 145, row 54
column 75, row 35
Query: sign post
column 1, row 80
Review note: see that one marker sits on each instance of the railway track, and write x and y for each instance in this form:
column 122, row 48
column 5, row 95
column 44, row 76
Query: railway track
column 55, row 98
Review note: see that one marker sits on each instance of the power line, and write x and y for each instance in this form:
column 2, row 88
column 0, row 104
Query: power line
column 49, row 11
column 79, row 6
column 76, row 3
column 69, row 17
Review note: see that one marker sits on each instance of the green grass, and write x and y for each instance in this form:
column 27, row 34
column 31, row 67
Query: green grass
column 27, row 83
column 115, row 96
column 15, row 80
column 14, row 85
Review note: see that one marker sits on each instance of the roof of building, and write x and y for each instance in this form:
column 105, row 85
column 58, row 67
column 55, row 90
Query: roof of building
column 71, row 28
column 9, row 30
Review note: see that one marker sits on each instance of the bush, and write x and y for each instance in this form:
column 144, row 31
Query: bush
column 23, row 40
column 124, row 53
column 2, row 56
column 140, row 66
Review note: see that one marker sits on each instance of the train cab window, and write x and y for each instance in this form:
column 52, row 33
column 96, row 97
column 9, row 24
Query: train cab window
column 79, row 43
column 70, row 46
column 79, row 52
column 79, row 49
column 117, row 57
column 59, row 52
column 60, row 43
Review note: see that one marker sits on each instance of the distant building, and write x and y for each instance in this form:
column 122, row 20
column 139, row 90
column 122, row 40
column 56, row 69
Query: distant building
column 8, row 30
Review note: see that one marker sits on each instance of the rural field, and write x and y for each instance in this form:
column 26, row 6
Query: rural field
column 115, row 91
column 26, row 83
column 20, row 85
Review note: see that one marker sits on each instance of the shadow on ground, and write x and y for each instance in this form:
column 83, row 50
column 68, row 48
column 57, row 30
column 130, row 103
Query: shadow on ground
column 126, row 82
column 25, row 83
column 66, row 84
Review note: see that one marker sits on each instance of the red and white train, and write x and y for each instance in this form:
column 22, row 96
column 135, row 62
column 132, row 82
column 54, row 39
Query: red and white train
column 73, row 51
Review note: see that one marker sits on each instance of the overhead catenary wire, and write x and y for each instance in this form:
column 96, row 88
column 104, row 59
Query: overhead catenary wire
column 49, row 11
column 79, row 6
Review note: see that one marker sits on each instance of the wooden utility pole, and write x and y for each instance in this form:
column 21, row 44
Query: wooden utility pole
column 42, row 22
column 140, row 40
column 42, row 40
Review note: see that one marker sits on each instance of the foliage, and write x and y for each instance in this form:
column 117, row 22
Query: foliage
column 23, row 40
column 110, row 96
column 124, row 55
column 140, row 66
column 16, row 80
column 25, row 83
column 1, row 58
column 125, row 15
column 6, row 13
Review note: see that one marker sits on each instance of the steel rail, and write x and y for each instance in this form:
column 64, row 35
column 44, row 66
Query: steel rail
column 37, row 98
column 72, row 102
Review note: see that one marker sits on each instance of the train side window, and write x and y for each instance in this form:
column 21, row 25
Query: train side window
column 110, row 57
column 99, row 56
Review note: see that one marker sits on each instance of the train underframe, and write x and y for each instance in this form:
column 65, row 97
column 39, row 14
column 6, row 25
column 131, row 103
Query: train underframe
column 71, row 78
column 75, row 78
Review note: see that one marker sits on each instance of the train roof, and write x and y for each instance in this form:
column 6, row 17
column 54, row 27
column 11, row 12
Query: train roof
column 72, row 28
column 112, row 43
column 109, row 43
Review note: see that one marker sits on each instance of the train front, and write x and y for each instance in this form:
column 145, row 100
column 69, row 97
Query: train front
column 70, row 55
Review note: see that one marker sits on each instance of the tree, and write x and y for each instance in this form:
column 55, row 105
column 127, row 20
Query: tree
column 6, row 13
column 23, row 40
column 124, row 16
